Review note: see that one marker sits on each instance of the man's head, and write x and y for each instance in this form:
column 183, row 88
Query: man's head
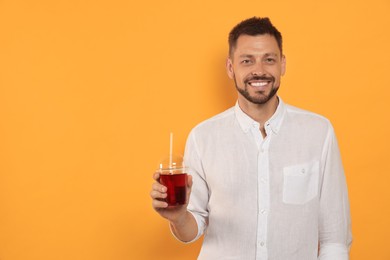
column 254, row 26
column 256, row 62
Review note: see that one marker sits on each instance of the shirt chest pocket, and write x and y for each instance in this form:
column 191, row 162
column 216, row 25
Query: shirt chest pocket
column 300, row 182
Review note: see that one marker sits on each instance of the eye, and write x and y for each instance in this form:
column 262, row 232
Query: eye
column 246, row 61
column 270, row 60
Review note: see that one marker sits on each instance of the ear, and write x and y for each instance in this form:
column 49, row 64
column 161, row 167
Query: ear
column 283, row 65
column 229, row 68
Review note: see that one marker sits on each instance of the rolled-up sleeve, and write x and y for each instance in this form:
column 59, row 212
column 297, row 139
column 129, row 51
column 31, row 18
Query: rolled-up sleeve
column 335, row 235
column 200, row 195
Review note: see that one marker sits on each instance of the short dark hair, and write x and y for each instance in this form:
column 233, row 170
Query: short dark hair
column 254, row 26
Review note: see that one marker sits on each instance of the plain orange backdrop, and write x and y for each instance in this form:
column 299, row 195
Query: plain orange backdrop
column 89, row 91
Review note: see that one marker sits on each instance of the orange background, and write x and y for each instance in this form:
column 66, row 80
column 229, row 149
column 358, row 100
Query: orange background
column 89, row 91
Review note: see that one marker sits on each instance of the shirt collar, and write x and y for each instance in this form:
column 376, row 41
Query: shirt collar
column 273, row 123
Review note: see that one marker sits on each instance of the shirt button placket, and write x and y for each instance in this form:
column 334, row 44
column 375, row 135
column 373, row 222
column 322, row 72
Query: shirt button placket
column 263, row 191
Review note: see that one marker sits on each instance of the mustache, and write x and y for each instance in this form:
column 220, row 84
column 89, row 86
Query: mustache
column 263, row 77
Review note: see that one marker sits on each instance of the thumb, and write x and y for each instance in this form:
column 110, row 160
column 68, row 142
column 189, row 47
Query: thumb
column 189, row 181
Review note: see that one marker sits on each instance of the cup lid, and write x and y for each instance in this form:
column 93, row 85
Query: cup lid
column 174, row 162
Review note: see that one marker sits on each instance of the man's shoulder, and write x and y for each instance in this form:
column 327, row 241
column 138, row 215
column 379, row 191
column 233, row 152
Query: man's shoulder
column 216, row 121
column 299, row 112
column 305, row 117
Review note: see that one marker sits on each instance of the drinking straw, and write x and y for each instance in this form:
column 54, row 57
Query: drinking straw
column 170, row 149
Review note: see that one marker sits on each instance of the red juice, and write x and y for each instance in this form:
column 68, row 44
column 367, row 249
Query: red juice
column 176, row 188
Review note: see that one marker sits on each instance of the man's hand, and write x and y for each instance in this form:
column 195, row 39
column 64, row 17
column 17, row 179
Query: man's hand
column 174, row 214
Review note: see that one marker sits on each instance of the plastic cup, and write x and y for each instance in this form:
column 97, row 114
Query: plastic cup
column 173, row 175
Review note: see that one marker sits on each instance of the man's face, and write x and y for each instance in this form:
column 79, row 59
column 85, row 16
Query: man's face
column 256, row 66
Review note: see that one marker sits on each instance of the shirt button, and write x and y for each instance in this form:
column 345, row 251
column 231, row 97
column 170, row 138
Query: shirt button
column 261, row 243
column 303, row 170
column 262, row 211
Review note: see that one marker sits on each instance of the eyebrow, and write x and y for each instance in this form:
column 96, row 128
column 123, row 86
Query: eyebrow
column 270, row 54
column 245, row 56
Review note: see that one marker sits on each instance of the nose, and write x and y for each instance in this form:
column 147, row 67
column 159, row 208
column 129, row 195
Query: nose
column 258, row 69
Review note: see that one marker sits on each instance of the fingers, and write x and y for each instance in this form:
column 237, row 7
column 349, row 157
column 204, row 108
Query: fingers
column 159, row 204
column 159, row 187
column 189, row 187
column 156, row 176
column 158, row 193
column 189, row 181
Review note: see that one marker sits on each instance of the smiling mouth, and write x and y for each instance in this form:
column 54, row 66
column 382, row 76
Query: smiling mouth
column 258, row 83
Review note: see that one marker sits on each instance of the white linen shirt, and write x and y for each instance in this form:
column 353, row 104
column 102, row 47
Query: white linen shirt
column 275, row 198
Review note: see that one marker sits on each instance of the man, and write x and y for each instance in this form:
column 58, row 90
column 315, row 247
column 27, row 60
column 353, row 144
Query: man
column 267, row 178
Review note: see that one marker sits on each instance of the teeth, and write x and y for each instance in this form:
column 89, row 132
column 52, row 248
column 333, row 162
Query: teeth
column 258, row 84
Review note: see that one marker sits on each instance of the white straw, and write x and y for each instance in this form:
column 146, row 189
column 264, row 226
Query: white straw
column 170, row 149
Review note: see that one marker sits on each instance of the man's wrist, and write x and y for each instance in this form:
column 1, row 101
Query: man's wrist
column 180, row 221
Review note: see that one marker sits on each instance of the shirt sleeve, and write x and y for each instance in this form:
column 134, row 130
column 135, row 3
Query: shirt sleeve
column 335, row 236
column 198, row 204
column 333, row 251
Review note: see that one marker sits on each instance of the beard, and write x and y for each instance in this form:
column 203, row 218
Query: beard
column 261, row 97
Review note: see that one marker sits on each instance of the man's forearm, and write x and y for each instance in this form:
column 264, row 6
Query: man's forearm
column 185, row 229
